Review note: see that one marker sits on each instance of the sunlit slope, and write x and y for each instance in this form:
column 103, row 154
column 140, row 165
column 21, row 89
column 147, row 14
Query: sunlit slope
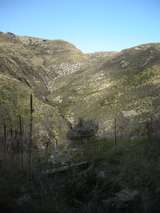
column 126, row 83
column 68, row 84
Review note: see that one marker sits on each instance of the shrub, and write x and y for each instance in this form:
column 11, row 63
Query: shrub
column 83, row 130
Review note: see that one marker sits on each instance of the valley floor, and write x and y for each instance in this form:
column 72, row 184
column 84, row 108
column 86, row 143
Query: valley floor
column 107, row 178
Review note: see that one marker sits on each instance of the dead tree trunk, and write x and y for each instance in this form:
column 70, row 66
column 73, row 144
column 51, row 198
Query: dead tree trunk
column 149, row 129
column 11, row 139
column 21, row 140
column 5, row 138
column 11, row 148
column 56, row 143
column 11, row 132
column 30, row 137
column 115, row 131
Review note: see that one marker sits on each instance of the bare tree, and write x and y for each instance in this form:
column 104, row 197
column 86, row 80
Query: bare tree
column 30, row 137
column 21, row 139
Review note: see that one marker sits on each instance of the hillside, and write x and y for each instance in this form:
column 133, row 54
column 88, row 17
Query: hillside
column 68, row 84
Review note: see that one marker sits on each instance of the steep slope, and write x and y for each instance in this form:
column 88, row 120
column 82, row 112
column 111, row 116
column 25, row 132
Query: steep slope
column 68, row 84
column 126, row 86
column 31, row 62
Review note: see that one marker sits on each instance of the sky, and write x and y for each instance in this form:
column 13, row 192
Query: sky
column 91, row 25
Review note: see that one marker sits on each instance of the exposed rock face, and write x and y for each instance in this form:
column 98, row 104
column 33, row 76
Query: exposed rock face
column 68, row 84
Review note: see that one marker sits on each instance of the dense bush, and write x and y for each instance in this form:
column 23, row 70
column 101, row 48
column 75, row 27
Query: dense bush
column 83, row 130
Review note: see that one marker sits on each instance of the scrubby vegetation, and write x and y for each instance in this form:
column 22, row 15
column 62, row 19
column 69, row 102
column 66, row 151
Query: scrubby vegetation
column 51, row 161
column 124, row 178
column 83, row 130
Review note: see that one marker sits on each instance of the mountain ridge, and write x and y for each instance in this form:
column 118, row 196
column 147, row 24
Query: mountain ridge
column 68, row 84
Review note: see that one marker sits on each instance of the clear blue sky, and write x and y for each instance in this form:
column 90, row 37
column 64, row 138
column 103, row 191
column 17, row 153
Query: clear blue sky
column 92, row 25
